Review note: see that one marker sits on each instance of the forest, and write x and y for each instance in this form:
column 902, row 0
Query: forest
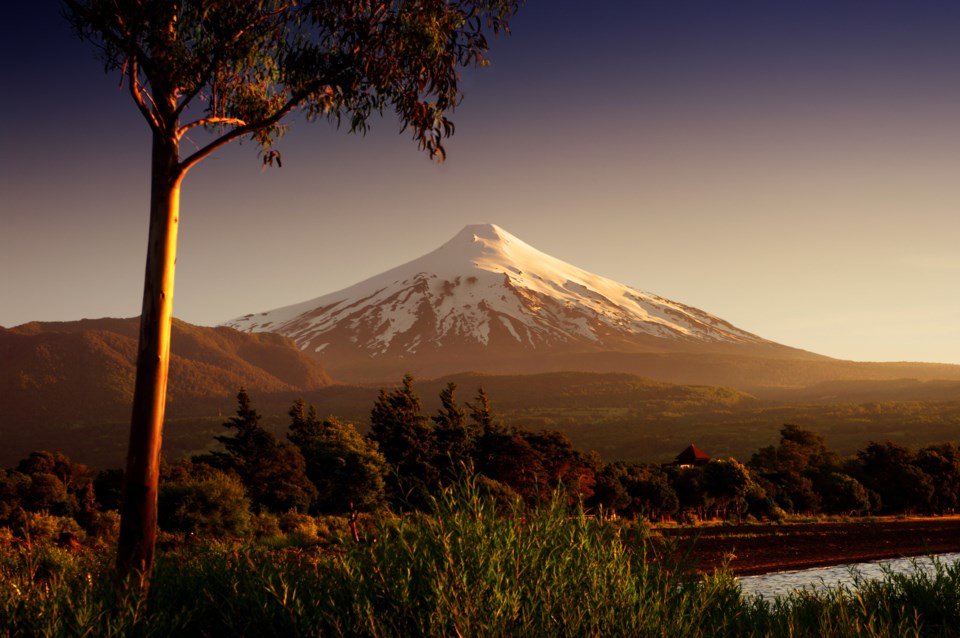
column 255, row 484
column 451, row 523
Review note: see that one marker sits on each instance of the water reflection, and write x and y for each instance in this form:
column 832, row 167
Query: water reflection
column 783, row 583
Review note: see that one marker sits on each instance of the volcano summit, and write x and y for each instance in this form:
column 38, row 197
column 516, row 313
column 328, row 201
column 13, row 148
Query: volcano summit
column 486, row 301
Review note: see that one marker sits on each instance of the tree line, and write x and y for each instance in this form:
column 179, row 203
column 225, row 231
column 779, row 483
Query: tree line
column 327, row 467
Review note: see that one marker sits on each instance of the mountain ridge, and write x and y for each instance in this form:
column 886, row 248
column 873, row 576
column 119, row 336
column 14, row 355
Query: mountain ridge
column 487, row 298
column 92, row 362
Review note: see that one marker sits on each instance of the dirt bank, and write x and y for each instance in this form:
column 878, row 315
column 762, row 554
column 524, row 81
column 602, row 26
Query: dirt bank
column 758, row 549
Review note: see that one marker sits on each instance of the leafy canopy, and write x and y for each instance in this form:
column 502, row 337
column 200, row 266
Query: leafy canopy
column 237, row 67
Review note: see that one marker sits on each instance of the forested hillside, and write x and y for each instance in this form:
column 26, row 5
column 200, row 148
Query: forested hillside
column 69, row 385
column 252, row 479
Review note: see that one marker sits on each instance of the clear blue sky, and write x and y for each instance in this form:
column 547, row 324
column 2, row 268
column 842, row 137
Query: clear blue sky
column 788, row 165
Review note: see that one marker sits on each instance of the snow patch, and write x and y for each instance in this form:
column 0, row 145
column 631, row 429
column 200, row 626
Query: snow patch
column 455, row 292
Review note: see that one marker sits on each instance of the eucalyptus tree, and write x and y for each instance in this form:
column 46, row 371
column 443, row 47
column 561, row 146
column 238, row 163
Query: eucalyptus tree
column 238, row 69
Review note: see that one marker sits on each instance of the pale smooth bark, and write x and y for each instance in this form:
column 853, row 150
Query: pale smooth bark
column 138, row 520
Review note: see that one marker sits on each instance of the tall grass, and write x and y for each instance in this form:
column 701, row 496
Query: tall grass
column 466, row 569
column 921, row 602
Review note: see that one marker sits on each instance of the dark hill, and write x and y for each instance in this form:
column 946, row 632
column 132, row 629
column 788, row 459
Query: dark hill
column 57, row 380
column 775, row 377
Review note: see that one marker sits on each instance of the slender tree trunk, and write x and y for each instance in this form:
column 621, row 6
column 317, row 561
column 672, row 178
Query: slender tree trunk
column 138, row 512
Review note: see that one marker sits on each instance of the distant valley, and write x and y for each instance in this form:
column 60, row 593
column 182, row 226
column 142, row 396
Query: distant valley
column 628, row 373
column 67, row 386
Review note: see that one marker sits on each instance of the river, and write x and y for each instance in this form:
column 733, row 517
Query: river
column 782, row 583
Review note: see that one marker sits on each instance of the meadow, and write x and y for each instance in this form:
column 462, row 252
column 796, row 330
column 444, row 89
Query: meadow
column 467, row 567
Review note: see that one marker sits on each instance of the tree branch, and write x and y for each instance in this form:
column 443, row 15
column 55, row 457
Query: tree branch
column 245, row 129
column 233, row 121
column 138, row 95
column 202, row 82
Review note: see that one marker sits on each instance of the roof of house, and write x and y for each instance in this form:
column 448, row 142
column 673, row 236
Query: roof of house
column 691, row 455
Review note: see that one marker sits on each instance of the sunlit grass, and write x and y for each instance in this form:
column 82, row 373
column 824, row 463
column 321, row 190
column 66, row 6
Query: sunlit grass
column 470, row 568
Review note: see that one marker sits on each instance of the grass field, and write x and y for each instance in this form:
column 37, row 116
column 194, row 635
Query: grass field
column 467, row 569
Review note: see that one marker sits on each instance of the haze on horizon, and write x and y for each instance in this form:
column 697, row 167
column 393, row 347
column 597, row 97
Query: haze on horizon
column 789, row 168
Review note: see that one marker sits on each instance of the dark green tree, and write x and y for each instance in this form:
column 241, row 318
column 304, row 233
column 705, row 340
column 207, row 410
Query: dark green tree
column 843, row 494
column 485, row 421
column 792, row 470
column 13, row 486
column 942, row 464
column 88, row 511
column 510, row 460
column 108, row 486
column 345, row 467
column 609, row 492
column 559, row 466
column 641, row 490
column 492, row 441
column 196, row 498
column 56, row 483
column 278, row 482
column 274, row 474
column 727, row 482
column 687, row 483
column 891, row 471
column 249, row 441
column 406, row 439
column 455, row 435
column 305, row 425
column 235, row 69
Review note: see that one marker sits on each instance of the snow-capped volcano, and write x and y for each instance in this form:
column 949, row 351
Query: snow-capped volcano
column 486, row 293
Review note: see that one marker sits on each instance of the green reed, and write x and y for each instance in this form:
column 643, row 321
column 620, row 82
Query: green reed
column 469, row 568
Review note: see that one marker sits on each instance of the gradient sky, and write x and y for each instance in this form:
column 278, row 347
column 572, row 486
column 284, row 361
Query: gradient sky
column 788, row 165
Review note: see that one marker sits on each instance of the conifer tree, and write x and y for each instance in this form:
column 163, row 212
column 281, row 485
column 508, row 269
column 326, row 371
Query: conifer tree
column 406, row 440
column 481, row 413
column 455, row 435
column 249, row 442
column 305, row 425
column 274, row 474
column 492, row 442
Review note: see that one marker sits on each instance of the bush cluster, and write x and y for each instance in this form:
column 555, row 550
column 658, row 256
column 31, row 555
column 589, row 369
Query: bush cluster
column 255, row 484
column 462, row 566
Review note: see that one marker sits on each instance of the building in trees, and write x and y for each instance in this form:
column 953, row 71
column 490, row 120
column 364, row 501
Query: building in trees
column 691, row 456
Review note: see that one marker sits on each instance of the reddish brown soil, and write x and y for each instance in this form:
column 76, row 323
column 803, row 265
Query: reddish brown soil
column 758, row 549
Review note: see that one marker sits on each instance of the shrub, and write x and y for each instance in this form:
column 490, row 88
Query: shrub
column 213, row 505
column 105, row 526
column 265, row 525
column 41, row 527
column 301, row 529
